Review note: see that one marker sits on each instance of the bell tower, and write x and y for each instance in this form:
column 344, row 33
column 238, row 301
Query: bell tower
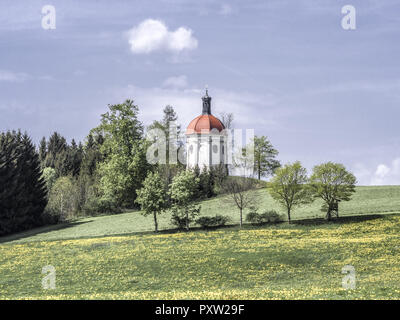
column 205, row 139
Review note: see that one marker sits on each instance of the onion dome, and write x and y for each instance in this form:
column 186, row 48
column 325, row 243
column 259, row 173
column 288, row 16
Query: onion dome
column 205, row 122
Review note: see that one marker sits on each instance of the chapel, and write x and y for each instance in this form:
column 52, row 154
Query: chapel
column 206, row 139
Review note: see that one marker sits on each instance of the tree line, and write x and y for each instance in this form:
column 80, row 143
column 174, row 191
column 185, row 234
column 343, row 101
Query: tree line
column 329, row 181
column 59, row 181
column 291, row 187
column 108, row 172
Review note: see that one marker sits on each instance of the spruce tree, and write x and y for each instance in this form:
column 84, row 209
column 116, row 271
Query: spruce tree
column 42, row 152
column 35, row 186
column 73, row 159
column 91, row 155
column 56, row 156
column 22, row 190
column 9, row 187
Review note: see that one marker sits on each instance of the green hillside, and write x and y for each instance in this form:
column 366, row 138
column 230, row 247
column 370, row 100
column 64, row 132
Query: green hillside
column 119, row 257
column 367, row 200
column 272, row 262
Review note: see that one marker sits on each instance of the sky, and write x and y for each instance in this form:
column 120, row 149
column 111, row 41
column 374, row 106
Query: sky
column 285, row 68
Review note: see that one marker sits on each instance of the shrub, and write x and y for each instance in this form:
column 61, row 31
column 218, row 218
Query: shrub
column 49, row 217
column 270, row 216
column 212, row 222
column 63, row 202
column 182, row 218
column 253, row 217
column 180, row 221
column 98, row 205
column 183, row 192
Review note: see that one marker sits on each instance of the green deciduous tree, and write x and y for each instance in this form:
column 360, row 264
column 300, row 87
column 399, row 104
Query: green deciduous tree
column 332, row 183
column 124, row 151
column 238, row 190
column 90, row 201
column 172, row 131
column 49, row 175
column 183, row 192
column 152, row 196
column 289, row 187
column 63, row 200
column 264, row 157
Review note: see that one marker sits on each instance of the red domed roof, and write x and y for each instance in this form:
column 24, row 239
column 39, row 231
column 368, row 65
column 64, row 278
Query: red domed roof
column 204, row 124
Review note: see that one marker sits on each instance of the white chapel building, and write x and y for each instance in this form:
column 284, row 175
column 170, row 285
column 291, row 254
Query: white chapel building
column 205, row 139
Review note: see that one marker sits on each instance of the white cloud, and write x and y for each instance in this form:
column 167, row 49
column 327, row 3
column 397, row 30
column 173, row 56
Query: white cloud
column 188, row 104
column 387, row 174
column 153, row 35
column 225, row 9
column 13, row 76
column 382, row 174
column 10, row 76
column 45, row 77
column 382, row 171
column 79, row 72
column 175, row 82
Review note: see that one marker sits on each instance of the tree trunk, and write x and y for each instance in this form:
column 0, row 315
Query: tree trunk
column 328, row 214
column 187, row 221
column 288, row 214
column 155, row 221
column 241, row 217
column 62, row 208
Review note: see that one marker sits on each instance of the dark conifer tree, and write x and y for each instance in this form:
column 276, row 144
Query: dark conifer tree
column 73, row 160
column 56, row 148
column 43, row 152
column 9, row 187
column 79, row 158
column 91, row 155
column 33, row 201
column 22, row 189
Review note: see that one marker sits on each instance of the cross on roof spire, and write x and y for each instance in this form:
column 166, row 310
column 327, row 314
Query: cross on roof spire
column 206, row 103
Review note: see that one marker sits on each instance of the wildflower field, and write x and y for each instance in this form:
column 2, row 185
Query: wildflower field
column 281, row 261
column 366, row 200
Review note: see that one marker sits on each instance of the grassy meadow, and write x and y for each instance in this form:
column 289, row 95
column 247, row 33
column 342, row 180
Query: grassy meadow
column 117, row 257
column 367, row 200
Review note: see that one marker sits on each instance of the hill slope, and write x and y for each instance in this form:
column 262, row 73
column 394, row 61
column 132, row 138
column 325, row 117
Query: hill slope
column 273, row 262
column 367, row 200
